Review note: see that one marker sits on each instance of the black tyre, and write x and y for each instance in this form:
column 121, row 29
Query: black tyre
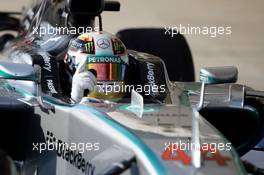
column 4, row 39
column 173, row 50
column 7, row 166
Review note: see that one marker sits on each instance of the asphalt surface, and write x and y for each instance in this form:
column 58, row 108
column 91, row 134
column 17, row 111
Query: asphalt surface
column 243, row 48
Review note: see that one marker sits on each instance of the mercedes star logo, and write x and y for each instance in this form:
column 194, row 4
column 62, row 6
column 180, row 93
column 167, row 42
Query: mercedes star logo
column 103, row 43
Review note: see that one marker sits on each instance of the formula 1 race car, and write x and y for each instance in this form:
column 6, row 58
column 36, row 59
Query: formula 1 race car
column 191, row 128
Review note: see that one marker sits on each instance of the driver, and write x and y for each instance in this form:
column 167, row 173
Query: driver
column 96, row 63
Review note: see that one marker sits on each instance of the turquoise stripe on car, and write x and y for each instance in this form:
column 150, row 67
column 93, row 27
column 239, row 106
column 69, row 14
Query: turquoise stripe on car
column 154, row 161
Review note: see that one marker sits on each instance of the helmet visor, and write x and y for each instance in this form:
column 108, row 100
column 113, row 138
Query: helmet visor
column 108, row 70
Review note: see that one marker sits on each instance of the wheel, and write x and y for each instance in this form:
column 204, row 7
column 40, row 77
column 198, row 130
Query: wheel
column 174, row 51
column 7, row 166
column 4, row 39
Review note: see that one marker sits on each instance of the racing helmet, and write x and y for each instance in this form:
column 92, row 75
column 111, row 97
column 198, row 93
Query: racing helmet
column 106, row 56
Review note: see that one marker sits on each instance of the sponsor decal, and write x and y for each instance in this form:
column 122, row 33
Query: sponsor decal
column 47, row 64
column 151, row 76
column 89, row 47
column 51, row 86
column 118, row 47
column 75, row 45
column 84, row 46
column 104, row 59
column 49, row 72
column 103, row 43
column 72, row 156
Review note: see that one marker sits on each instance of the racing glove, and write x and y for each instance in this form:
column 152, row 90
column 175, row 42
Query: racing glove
column 82, row 80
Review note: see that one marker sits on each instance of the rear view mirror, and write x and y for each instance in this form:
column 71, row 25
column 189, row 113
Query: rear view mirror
column 216, row 75
column 18, row 71
column 25, row 72
column 219, row 75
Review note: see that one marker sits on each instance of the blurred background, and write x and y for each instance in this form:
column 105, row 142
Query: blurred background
column 243, row 48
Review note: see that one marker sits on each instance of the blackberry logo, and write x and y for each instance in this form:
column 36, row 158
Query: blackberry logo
column 73, row 156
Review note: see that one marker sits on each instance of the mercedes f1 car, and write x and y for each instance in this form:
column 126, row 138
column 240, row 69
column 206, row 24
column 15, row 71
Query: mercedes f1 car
column 191, row 128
